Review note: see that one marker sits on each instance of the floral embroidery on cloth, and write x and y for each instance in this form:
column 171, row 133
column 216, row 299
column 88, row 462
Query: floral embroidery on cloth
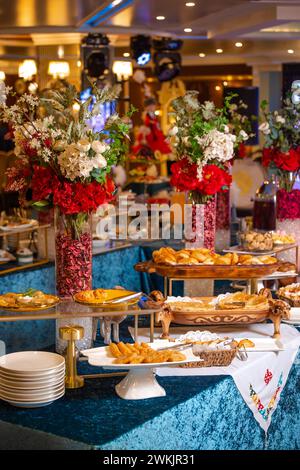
column 265, row 411
column 268, row 376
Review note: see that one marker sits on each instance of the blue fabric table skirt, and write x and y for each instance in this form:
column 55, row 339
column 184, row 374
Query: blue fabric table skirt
column 197, row 413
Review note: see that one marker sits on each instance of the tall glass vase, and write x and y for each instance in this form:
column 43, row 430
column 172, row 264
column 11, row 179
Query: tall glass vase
column 200, row 232
column 223, row 221
column 288, row 218
column 73, row 267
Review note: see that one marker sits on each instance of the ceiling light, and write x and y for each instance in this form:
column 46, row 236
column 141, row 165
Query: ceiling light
column 190, row 4
column 141, row 48
column 290, row 51
column 2, row 75
column 126, row 54
column 27, row 69
column 123, row 69
column 188, row 30
column 116, row 2
column 202, row 54
column 160, row 18
column 239, row 44
column 219, row 51
column 225, row 83
column 33, row 87
column 59, row 69
column 217, row 88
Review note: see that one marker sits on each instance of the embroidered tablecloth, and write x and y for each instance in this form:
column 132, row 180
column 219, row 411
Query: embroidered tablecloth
column 261, row 379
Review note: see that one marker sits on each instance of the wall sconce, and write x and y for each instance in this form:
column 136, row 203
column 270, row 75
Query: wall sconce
column 59, row 69
column 27, row 69
column 122, row 69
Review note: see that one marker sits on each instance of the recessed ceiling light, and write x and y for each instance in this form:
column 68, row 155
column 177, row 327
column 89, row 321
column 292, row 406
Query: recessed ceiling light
column 239, row 44
column 188, row 30
column 160, row 18
column 290, row 51
column 126, row 54
column 219, row 51
column 202, row 54
column 217, row 88
column 190, row 4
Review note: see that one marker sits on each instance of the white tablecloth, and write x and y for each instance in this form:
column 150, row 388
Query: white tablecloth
column 260, row 379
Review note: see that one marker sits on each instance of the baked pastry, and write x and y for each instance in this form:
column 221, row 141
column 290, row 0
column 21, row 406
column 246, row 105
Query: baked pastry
column 203, row 256
column 257, row 241
column 265, row 293
column 246, row 343
column 241, row 300
column 282, row 238
column 285, row 266
column 139, row 353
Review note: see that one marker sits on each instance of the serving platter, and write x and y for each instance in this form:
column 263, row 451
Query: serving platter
column 140, row 382
column 31, row 308
column 112, row 295
column 207, row 271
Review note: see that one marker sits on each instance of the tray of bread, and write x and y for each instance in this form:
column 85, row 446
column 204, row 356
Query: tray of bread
column 290, row 294
column 29, row 301
column 107, row 297
column 204, row 263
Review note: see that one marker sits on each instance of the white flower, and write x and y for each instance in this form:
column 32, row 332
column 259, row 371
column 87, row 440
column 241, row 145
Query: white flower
column 280, row 119
column 100, row 161
column 99, row 147
column 83, row 145
column 216, row 145
column 244, row 135
column 225, row 129
column 265, row 128
column 173, row 131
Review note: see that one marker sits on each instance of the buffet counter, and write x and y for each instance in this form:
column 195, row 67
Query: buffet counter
column 205, row 412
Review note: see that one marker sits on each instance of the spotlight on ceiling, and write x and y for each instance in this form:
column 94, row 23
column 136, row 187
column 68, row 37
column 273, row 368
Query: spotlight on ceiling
column 141, row 49
column 167, row 59
column 95, row 55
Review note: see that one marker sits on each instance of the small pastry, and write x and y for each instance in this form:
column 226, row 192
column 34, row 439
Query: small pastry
column 246, row 343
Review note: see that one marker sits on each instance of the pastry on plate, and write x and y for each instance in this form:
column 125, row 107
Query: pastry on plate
column 241, row 300
column 246, row 343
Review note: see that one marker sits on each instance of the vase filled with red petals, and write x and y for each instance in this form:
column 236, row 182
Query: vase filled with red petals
column 66, row 165
column 204, row 142
column 281, row 155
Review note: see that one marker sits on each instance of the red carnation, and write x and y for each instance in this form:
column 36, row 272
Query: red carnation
column 214, row 179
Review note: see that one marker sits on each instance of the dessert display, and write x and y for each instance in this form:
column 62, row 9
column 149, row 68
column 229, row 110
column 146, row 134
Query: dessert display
column 105, row 296
column 291, row 294
column 142, row 353
column 256, row 241
column 282, row 238
column 203, row 256
column 15, row 222
column 28, row 301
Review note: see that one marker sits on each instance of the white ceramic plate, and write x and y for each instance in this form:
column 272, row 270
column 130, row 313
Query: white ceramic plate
column 31, row 362
column 38, row 404
column 31, row 385
column 22, row 379
column 264, row 344
column 32, row 398
column 48, row 394
column 294, row 317
column 26, row 391
column 100, row 357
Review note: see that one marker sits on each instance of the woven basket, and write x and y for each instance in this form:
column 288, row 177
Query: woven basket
column 218, row 357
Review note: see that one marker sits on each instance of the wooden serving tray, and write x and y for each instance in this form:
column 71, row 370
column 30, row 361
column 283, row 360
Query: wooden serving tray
column 204, row 271
column 210, row 316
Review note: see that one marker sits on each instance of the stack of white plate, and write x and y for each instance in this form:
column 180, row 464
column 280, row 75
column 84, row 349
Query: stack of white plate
column 30, row 379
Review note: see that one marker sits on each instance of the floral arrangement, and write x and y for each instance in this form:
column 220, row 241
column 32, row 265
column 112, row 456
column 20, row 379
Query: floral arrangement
column 281, row 151
column 204, row 142
column 59, row 158
column 66, row 165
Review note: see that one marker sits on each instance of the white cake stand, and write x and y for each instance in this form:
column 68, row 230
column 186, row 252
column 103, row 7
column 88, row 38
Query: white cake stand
column 140, row 382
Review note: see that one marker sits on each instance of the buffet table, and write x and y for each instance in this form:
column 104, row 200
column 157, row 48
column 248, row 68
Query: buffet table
column 197, row 413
